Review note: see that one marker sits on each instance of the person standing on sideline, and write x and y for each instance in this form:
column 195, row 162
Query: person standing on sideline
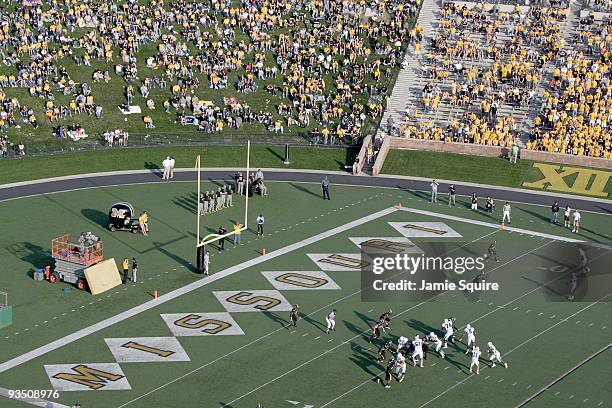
column 240, row 184
column 206, row 263
column 576, row 221
column 330, row 319
column 143, row 221
column 126, row 268
column 172, row 163
column 506, row 213
column 434, row 191
column 166, row 168
column 566, row 216
column 451, row 195
column 325, row 188
column 474, row 202
column 260, row 223
column 134, row 269
column 237, row 228
column 222, row 231
column 555, row 212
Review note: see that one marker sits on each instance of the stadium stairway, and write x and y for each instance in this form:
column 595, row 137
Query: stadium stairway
column 410, row 79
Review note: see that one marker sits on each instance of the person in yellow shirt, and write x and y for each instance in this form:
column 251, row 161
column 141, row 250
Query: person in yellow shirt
column 143, row 221
column 237, row 229
column 126, row 267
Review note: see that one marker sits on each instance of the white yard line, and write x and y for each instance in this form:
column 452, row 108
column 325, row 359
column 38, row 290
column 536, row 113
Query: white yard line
column 488, row 224
column 54, row 345
column 33, row 401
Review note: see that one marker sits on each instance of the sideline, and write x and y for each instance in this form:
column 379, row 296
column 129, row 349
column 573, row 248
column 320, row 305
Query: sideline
column 104, row 179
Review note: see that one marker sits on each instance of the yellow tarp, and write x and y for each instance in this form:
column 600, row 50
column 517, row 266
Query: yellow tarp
column 103, row 276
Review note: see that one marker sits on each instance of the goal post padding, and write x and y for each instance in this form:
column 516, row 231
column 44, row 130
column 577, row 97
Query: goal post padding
column 103, row 276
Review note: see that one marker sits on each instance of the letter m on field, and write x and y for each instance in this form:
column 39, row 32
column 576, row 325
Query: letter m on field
column 88, row 376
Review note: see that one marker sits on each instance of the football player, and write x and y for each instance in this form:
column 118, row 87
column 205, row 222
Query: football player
column 475, row 359
column 493, row 251
column 294, row 315
column 400, row 366
column 417, row 353
column 331, row 321
column 433, row 338
column 401, row 343
column 495, row 356
column 449, row 330
column 376, row 331
column 386, row 319
column 389, row 372
column 471, row 337
column 382, row 350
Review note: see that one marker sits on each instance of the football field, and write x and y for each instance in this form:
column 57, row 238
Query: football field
column 224, row 340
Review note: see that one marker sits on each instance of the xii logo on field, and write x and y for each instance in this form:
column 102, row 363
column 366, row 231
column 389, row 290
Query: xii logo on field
column 586, row 182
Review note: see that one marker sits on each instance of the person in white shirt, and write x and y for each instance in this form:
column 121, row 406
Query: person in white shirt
column 471, row 337
column 260, row 223
column 330, row 319
column 434, row 191
column 166, row 168
column 401, row 343
column 506, row 210
column 417, row 343
column 433, row 337
column 400, row 367
column 449, row 331
column 495, row 356
column 475, row 359
column 206, row 263
column 576, row 221
column 172, row 163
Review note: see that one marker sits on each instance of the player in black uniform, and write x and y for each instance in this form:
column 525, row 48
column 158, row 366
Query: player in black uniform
column 382, row 350
column 385, row 318
column 376, row 331
column 493, row 250
column 389, row 372
column 294, row 316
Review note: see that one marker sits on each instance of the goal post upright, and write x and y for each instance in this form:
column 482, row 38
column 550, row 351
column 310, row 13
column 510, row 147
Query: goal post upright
column 201, row 242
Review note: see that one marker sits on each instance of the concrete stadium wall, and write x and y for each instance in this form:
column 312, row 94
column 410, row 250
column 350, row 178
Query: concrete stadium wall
column 481, row 150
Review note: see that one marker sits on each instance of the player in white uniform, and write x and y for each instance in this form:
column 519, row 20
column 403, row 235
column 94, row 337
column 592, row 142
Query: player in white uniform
column 576, row 221
column 573, row 285
column 400, row 366
column 449, row 330
column 401, row 343
column 475, row 359
column 471, row 337
column 506, row 213
column 330, row 319
column 433, row 337
column 417, row 343
column 495, row 356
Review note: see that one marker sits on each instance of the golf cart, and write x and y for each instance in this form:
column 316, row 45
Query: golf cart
column 121, row 218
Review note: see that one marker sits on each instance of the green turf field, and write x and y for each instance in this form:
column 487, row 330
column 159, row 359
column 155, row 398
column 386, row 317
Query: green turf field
column 262, row 361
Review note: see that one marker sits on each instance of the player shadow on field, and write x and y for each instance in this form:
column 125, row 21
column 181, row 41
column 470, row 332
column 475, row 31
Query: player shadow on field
column 364, row 359
column 365, row 334
column 316, row 324
column 421, row 327
column 535, row 214
column 304, row 189
column 366, row 319
column 189, row 202
column 225, row 405
column 285, row 324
